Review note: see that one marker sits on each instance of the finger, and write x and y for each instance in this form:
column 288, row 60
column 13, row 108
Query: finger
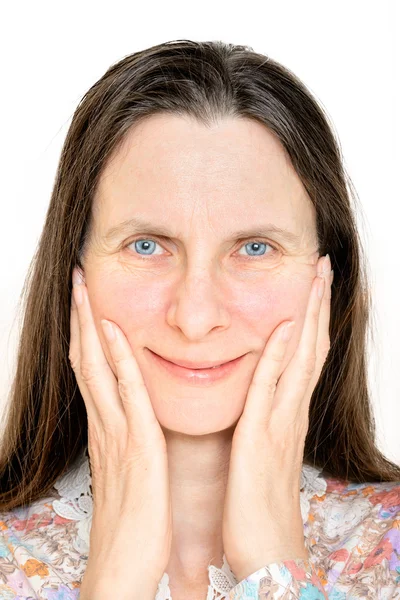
column 74, row 358
column 96, row 380
column 263, row 386
column 323, row 338
column 296, row 379
column 131, row 386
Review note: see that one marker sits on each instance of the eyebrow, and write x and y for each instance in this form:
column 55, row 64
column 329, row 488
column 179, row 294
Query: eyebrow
column 138, row 225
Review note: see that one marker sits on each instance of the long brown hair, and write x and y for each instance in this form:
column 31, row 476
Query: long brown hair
column 46, row 425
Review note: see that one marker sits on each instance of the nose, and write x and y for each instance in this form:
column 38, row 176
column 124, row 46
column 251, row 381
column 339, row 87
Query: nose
column 199, row 306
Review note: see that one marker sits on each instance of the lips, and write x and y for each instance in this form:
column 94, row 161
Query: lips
column 198, row 376
column 197, row 366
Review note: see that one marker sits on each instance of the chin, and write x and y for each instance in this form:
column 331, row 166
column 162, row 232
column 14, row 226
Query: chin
column 197, row 420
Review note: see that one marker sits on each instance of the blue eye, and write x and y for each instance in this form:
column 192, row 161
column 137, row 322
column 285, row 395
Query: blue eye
column 146, row 243
column 256, row 246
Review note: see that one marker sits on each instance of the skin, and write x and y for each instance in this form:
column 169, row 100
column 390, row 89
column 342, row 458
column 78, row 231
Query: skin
column 199, row 296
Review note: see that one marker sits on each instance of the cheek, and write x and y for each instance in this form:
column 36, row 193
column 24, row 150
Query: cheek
column 130, row 303
column 290, row 302
column 267, row 305
column 271, row 304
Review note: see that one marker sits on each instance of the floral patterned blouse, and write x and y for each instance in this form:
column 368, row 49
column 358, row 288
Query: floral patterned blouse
column 352, row 533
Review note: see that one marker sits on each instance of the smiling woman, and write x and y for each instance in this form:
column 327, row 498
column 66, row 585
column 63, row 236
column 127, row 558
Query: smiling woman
column 159, row 417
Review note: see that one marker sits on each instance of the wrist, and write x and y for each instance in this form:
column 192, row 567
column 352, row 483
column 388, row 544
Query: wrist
column 250, row 566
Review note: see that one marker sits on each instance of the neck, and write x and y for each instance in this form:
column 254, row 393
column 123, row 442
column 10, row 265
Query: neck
column 198, row 471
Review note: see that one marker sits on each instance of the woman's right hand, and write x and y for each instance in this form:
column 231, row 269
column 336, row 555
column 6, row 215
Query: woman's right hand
column 130, row 538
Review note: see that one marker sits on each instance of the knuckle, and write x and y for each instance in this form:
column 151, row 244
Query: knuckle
column 89, row 373
column 125, row 388
column 73, row 358
column 308, row 365
column 270, row 387
column 276, row 356
column 120, row 361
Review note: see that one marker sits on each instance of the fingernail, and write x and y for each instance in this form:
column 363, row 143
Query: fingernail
column 287, row 331
column 109, row 330
column 325, row 266
column 332, row 275
column 77, row 278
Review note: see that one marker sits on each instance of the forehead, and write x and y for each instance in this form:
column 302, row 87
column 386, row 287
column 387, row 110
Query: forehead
column 172, row 167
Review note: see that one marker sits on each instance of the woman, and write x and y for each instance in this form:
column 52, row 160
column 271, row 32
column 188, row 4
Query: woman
column 200, row 208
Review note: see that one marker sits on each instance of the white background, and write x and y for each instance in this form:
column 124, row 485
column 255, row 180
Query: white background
column 345, row 51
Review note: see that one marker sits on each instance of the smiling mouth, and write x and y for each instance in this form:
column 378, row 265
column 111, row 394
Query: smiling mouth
column 196, row 375
column 194, row 366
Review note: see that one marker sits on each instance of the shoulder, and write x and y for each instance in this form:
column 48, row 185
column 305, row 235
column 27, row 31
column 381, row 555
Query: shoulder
column 345, row 505
column 353, row 532
column 43, row 546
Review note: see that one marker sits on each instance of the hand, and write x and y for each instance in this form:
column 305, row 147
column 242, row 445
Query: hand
column 262, row 520
column 130, row 538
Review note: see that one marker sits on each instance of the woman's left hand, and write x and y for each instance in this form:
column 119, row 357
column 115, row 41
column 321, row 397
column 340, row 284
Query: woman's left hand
column 262, row 520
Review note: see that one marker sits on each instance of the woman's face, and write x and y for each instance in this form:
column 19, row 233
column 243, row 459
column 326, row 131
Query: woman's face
column 207, row 290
